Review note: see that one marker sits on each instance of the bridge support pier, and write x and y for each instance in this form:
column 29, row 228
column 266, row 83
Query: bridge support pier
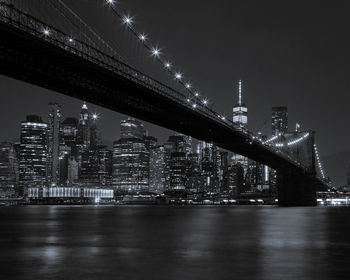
column 296, row 190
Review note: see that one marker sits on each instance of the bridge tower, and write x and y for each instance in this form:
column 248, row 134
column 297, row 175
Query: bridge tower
column 294, row 188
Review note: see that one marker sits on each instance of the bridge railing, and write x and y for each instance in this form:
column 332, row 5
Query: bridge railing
column 12, row 16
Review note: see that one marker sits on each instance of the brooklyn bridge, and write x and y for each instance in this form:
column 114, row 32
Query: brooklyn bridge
column 51, row 46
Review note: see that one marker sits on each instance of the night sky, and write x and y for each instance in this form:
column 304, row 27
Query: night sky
column 292, row 53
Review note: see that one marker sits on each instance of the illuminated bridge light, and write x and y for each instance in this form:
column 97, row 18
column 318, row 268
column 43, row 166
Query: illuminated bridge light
column 127, row 20
column 167, row 65
column 178, row 76
column 110, row 2
column 205, row 102
column 46, row 32
column 70, row 40
column 143, row 37
column 271, row 139
column 196, row 93
column 188, row 85
column 188, row 100
column 194, row 105
column 298, row 139
column 155, row 52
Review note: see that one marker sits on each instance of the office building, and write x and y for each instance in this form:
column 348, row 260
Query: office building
column 8, row 170
column 279, row 120
column 53, row 143
column 33, row 153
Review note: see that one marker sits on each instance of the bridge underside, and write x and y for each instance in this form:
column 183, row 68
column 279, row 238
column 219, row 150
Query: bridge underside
column 28, row 58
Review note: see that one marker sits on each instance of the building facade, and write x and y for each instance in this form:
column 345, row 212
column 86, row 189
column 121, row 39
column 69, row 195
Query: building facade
column 33, row 153
column 279, row 120
column 8, row 170
column 53, row 143
column 131, row 158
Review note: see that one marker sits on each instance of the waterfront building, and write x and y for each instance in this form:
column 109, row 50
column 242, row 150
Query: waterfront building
column 131, row 158
column 210, row 167
column 72, row 171
column 89, row 172
column 8, row 170
column 65, row 154
column 105, row 165
column 157, row 166
column 96, row 167
column 223, row 171
column 279, row 120
column 53, row 143
column 177, row 150
column 195, row 180
column 94, row 194
column 178, row 171
column 236, row 179
column 33, row 153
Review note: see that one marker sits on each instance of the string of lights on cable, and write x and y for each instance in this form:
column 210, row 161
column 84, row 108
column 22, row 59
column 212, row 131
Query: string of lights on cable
column 155, row 51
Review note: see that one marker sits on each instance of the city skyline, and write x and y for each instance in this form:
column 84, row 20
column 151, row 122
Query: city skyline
column 159, row 132
column 185, row 139
column 294, row 77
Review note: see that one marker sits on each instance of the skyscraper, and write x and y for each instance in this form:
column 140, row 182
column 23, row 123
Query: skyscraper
column 69, row 131
column 236, row 178
column 177, row 149
column 240, row 118
column 96, row 166
column 68, row 147
column 157, row 165
column 223, row 171
column 53, row 143
column 33, row 153
column 8, row 170
column 240, row 111
column 131, row 158
column 83, row 137
column 94, row 131
column 279, row 120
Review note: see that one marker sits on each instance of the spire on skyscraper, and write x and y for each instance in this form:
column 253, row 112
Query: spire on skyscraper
column 240, row 92
column 84, row 107
column 240, row 111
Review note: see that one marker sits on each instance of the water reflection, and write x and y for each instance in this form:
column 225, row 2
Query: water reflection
column 174, row 242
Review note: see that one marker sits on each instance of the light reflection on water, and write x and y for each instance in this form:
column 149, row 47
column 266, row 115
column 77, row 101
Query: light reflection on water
column 149, row 242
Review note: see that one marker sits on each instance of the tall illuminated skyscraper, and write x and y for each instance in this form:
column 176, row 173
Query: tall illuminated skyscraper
column 53, row 143
column 69, row 131
column 279, row 120
column 240, row 111
column 157, row 169
column 94, row 131
column 8, row 170
column 33, row 153
column 131, row 158
column 240, row 118
column 84, row 128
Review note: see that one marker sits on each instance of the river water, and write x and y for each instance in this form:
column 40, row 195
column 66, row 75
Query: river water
column 158, row 242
